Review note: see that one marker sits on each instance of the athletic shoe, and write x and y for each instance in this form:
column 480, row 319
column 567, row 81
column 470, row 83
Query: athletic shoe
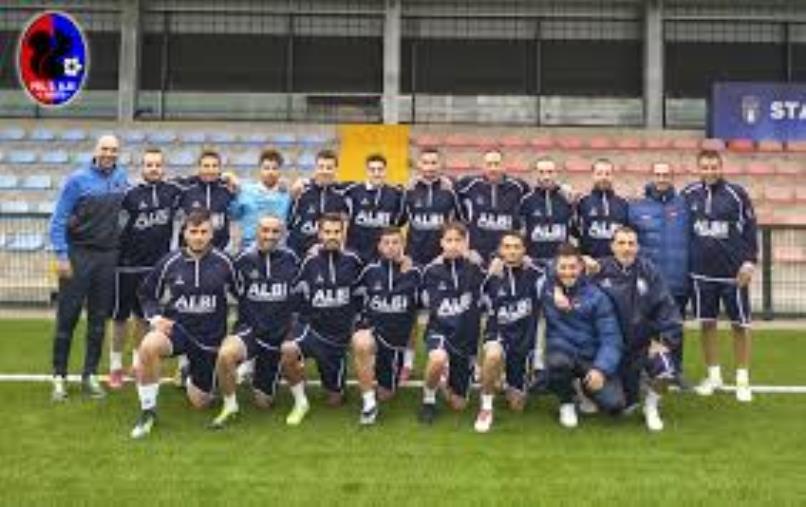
column 708, row 386
column 224, row 418
column 484, row 421
column 91, row 387
column 568, row 415
column 743, row 393
column 428, row 413
column 297, row 413
column 145, row 422
column 368, row 416
column 652, row 418
column 59, row 393
column 115, row 380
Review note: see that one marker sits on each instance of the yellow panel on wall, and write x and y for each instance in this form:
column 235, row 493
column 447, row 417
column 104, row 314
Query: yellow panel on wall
column 359, row 141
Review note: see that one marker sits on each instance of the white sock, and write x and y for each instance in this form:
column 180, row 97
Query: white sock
column 408, row 359
column 429, row 395
column 135, row 359
column 487, row 401
column 298, row 392
column 183, row 361
column 369, row 399
column 715, row 373
column 115, row 361
column 148, row 395
column 651, row 399
column 742, row 376
column 230, row 402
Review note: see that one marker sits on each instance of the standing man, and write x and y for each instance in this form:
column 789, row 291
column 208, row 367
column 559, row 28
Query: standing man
column 373, row 206
column 390, row 290
column 320, row 196
column 513, row 300
column 546, row 214
column 185, row 300
column 264, row 197
column 148, row 217
column 84, row 232
column 650, row 323
column 583, row 339
column 661, row 220
column 600, row 212
column 266, row 273
column 490, row 203
column 723, row 258
column 452, row 294
column 328, row 306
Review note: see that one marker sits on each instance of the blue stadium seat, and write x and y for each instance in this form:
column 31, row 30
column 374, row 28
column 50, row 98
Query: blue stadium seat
column 25, row 242
column 42, row 134
column 83, row 158
column 306, row 161
column 311, row 140
column 74, row 135
column 161, row 136
column 134, row 137
column 125, row 158
column 55, row 157
column 223, row 138
column 193, row 137
column 183, row 158
column 255, row 138
column 245, row 159
column 12, row 134
column 21, row 157
column 283, row 139
column 8, row 182
column 14, row 207
column 37, row 182
column 45, row 207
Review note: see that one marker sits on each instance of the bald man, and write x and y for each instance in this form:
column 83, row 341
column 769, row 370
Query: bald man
column 84, row 233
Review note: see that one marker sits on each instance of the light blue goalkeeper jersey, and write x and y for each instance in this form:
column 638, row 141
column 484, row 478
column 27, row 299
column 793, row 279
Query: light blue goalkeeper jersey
column 252, row 202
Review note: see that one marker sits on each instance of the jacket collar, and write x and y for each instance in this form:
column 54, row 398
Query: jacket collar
column 652, row 192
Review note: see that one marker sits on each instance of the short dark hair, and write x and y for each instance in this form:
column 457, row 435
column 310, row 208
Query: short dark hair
column 493, row 149
column 327, row 155
column 624, row 229
column 429, row 149
column 153, row 150
column 602, row 160
column 567, row 250
column 713, row 154
column 331, row 218
column 512, row 234
column 197, row 217
column 271, row 155
column 391, row 230
column 207, row 153
column 454, row 226
column 545, row 158
column 376, row 157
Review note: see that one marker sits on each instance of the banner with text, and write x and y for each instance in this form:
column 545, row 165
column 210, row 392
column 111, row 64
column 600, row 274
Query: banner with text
column 758, row 111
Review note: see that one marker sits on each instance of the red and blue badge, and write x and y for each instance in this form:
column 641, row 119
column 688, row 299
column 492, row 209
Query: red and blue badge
column 52, row 59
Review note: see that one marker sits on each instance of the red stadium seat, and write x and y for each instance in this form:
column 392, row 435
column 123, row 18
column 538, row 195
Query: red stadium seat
column 636, row 167
column 686, row 143
column 758, row 168
column 791, row 169
column 658, row 143
column 732, row 169
column 458, row 163
column 800, row 194
column 569, row 142
column 513, row 142
column 426, row 140
column 600, row 143
column 770, row 146
column 779, row 195
column 741, row 145
column 577, row 165
column 629, row 143
column 544, row 142
column 796, row 146
column 461, row 140
column 517, row 166
column 712, row 144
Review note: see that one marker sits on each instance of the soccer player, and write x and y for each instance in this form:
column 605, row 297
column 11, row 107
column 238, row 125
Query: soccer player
column 320, row 196
column 490, row 204
column 390, row 290
column 185, row 300
column 328, row 306
column 266, row 274
column 650, row 323
column 373, row 206
column 430, row 203
column 84, row 233
column 723, row 258
column 267, row 196
column 661, row 220
column 600, row 212
column 513, row 300
column 546, row 213
column 209, row 190
column 148, row 216
column 583, row 339
column 451, row 292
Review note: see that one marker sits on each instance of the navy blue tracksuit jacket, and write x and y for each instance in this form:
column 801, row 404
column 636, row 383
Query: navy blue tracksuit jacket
column 548, row 220
column 215, row 197
column 390, row 301
column 599, row 214
column 513, row 302
column 314, row 201
column 429, row 206
column 147, row 216
column 371, row 209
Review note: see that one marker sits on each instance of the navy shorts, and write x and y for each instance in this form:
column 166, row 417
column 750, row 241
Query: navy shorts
column 706, row 295
column 267, row 361
column 388, row 363
column 661, row 366
column 127, row 282
column 329, row 356
column 202, row 358
column 460, row 365
column 517, row 359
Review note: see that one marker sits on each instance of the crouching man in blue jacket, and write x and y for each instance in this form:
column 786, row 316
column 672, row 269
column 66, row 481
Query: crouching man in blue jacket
column 650, row 323
column 583, row 339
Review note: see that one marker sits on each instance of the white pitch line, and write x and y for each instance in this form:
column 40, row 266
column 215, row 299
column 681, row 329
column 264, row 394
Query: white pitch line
column 38, row 377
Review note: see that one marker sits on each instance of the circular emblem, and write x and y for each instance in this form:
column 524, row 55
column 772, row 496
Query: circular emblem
column 52, row 59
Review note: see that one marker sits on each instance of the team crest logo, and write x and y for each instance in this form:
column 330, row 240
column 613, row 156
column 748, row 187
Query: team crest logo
column 254, row 274
column 751, row 109
column 143, row 205
column 641, row 286
column 378, row 286
column 593, row 212
column 442, row 286
column 179, row 280
column 320, row 279
column 52, row 59
column 606, row 283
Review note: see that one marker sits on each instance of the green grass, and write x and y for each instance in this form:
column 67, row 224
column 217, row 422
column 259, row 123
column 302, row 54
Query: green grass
column 714, row 451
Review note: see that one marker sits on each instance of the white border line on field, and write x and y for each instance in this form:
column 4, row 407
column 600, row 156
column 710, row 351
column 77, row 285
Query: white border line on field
column 39, row 377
